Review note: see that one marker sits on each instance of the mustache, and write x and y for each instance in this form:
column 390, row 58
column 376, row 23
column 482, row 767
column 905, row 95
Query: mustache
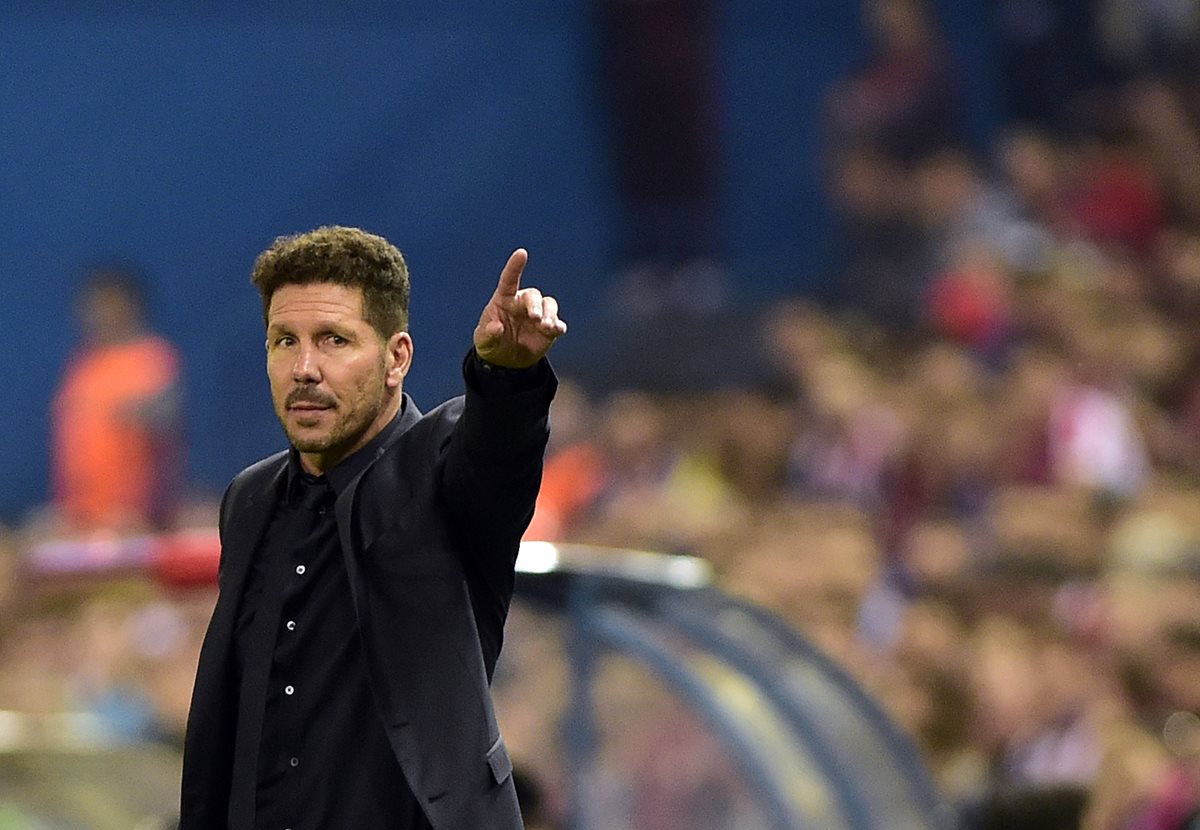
column 305, row 394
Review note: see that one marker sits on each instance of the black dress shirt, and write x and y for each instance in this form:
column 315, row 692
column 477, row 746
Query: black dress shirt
column 310, row 751
column 323, row 759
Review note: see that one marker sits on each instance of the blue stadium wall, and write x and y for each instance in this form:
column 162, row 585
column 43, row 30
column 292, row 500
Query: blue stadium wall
column 185, row 136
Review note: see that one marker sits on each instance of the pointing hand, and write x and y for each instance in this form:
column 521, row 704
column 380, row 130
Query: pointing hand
column 518, row 325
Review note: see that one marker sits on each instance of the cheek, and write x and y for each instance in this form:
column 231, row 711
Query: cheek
column 369, row 388
column 367, row 377
column 279, row 381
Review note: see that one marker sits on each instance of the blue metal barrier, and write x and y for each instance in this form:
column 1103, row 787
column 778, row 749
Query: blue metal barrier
column 812, row 746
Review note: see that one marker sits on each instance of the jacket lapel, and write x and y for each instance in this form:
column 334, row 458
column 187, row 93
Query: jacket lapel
column 209, row 742
column 344, row 507
column 248, row 513
column 245, row 532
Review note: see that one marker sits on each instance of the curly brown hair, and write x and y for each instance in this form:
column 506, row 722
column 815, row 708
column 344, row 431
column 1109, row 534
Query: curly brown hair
column 342, row 256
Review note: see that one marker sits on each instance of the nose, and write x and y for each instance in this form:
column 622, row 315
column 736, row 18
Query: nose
column 306, row 368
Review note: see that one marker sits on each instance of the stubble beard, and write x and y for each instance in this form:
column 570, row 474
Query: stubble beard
column 318, row 443
column 347, row 428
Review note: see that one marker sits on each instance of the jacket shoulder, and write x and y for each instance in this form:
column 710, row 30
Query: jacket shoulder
column 251, row 480
column 259, row 472
column 434, row 426
column 445, row 413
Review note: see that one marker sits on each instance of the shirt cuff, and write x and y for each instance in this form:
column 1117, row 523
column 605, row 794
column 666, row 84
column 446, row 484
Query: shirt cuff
column 499, row 380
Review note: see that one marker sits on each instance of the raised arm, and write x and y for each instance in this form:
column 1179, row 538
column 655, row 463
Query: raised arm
column 492, row 465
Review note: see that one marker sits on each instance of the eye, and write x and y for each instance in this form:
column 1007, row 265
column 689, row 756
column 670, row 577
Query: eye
column 337, row 340
column 284, row 340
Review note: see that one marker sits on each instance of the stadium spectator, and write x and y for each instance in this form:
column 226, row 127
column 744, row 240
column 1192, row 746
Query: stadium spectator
column 904, row 100
column 117, row 435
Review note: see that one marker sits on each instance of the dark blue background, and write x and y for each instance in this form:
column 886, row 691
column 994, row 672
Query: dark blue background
column 186, row 136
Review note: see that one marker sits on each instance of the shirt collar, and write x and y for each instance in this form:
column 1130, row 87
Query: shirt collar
column 348, row 468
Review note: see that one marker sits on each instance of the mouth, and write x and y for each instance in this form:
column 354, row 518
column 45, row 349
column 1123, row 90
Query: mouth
column 306, row 407
column 305, row 414
column 308, row 400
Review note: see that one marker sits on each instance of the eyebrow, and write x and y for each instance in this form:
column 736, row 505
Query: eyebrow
column 335, row 328
column 324, row 329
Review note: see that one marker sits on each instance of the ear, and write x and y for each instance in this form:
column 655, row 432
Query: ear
column 399, row 358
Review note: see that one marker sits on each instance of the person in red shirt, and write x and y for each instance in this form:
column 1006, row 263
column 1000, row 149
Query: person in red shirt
column 117, row 438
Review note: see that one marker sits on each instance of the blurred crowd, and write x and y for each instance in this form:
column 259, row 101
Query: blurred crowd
column 973, row 478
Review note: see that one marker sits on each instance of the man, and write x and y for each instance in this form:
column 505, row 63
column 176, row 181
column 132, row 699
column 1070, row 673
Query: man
column 366, row 572
column 117, row 409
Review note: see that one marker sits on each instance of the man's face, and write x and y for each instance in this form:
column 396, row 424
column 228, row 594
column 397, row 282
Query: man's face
column 335, row 382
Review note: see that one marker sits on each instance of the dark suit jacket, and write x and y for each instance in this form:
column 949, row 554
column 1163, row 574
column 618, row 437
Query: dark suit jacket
column 429, row 532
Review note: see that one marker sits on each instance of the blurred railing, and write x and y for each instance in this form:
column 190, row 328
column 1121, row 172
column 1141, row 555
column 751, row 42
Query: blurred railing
column 813, row 747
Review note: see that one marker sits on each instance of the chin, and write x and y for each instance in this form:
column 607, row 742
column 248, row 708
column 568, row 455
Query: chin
column 310, row 443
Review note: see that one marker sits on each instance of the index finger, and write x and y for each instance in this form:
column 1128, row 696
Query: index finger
column 510, row 277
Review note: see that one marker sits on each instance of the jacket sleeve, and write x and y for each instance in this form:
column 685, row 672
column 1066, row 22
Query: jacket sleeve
column 492, row 462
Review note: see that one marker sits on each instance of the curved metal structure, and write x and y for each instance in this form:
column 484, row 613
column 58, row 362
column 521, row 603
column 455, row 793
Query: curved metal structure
column 816, row 751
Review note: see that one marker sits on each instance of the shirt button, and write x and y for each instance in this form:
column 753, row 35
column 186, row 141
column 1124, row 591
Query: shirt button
column 295, row 762
column 287, row 690
column 291, row 625
column 300, row 569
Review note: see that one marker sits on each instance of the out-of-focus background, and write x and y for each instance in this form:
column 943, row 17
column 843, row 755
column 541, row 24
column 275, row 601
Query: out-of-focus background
column 888, row 310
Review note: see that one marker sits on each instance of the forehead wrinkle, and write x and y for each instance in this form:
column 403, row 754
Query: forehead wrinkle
column 321, row 315
column 291, row 301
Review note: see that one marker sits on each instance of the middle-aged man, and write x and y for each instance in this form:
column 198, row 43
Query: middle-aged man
column 366, row 571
